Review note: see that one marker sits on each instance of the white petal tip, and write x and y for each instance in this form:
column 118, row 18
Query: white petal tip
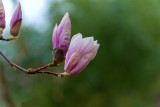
column 19, row 5
column 66, row 14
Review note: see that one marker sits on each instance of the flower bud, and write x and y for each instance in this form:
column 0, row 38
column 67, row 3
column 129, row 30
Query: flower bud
column 81, row 51
column 61, row 38
column 2, row 16
column 16, row 21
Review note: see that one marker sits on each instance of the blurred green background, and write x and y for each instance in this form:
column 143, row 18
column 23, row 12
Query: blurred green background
column 125, row 72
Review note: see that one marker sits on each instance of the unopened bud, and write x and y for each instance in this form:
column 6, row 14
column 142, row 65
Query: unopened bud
column 2, row 16
column 16, row 21
column 58, row 55
column 60, row 39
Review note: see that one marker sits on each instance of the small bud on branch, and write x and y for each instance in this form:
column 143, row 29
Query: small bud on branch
column 2, row 17
column 60, row 39
column 16, row 21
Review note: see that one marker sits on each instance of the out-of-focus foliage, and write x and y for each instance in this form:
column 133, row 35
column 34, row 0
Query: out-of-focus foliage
column 125, row 72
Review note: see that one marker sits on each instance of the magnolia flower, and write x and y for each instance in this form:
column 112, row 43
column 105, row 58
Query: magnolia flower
column 2, row 16
column 81, row 51
column 16, row 21
column 61, row 38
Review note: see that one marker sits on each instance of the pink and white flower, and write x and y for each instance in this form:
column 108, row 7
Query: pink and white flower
column 61, row 38
column 81, row 51
column 16, row 21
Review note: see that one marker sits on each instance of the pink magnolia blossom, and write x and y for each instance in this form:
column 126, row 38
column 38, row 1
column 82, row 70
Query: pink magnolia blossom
column 61, row 38
column 81, row 51
column 2, row 15
column 16, row 21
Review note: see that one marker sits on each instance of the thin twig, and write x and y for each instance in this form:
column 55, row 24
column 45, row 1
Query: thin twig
column 45, row 67
column 12, row 64
column 7, row 39
column 35, row 71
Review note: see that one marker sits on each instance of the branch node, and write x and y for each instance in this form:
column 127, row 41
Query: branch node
column 12, row 37
column 59, row 76
column 14, row 68
column 65, row 74
column 29, row 70
column 49, row 65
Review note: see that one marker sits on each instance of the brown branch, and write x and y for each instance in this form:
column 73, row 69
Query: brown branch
column 7, row 39
column 35, row 71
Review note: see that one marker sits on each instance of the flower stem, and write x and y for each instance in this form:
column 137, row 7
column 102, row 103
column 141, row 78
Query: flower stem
column 35, row 71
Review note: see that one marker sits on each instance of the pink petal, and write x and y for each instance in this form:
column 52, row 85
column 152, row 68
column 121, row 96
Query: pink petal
column 74, row 45
column 17, row 15
column 2, row 15
column 86, row 48
column 62, row 23
column 86, row 45
column 54, row 37
column 84, row 61
column 75, row 57
column 95, row 49
column 65, row 34
column 61, row 35
column 81, row 64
